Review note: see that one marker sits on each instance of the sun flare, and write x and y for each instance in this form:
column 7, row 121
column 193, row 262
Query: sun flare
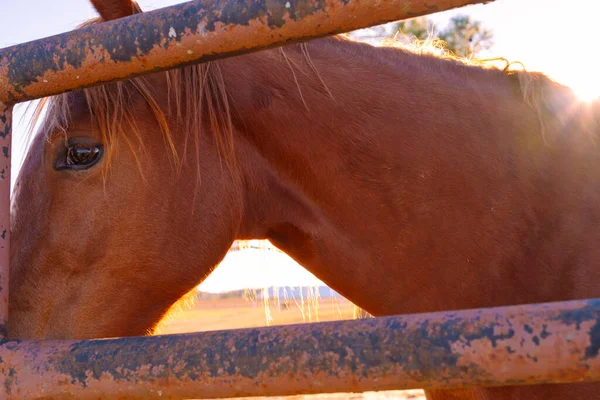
column 587, row 90
column 584, row 80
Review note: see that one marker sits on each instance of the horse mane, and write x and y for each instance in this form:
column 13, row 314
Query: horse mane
column 548, row 99
column 197, row 98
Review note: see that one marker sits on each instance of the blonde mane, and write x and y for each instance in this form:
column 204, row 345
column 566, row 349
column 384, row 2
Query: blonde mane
column 197, row 99
column 196, row 96
column 554, row 104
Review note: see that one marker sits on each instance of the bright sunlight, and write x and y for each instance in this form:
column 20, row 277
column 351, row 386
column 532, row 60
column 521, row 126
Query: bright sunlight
column 581, row 77
column 587, row 89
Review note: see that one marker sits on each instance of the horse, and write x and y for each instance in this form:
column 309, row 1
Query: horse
column 407, row 182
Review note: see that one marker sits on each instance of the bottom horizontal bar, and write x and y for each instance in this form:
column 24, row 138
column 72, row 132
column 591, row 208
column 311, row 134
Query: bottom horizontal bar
column 553, row 342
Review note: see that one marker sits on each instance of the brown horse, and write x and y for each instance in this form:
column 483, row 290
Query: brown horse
column 408, row 183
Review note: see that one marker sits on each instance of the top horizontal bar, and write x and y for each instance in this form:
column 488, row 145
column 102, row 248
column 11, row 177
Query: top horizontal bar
column 192, row 32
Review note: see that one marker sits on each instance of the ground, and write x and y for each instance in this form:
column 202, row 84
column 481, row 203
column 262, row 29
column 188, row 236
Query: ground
column 235, row 313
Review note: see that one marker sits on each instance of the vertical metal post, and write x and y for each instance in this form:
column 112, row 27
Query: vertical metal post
column 5, row 141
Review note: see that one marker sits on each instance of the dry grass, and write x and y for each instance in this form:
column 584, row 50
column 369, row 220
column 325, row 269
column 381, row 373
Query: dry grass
column 236, row 313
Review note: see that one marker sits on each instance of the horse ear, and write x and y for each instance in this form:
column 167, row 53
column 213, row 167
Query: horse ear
column 115, row 9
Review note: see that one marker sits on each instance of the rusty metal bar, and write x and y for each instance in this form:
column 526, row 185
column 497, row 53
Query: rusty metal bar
column 554, row 342
column 191, row 32
column 5, row 141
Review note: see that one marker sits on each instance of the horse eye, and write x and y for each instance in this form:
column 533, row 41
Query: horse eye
column 80, row 156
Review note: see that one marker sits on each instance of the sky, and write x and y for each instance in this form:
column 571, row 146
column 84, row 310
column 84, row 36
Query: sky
column 551, row 36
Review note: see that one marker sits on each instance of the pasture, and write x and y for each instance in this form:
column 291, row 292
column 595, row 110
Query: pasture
column 236, row 313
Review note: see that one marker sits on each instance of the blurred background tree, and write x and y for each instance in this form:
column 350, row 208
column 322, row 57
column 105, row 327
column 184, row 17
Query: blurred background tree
column 463, row 36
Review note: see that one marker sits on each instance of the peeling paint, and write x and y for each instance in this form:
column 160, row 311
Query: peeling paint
column 161, row 39
column 5, row 139
column 483, row 347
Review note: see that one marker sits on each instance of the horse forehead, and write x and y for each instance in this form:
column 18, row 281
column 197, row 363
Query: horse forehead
column 33, row 158
column 78, row 104
column 78, row 112
column 64, row 112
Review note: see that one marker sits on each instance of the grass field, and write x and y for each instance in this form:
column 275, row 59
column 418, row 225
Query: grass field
column 235, row 313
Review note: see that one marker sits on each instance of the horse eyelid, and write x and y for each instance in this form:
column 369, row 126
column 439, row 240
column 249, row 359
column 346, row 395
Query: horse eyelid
column 62, row 158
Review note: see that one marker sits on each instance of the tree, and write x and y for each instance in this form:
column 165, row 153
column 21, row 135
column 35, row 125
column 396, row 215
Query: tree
column 417, row 28
column 463, row 36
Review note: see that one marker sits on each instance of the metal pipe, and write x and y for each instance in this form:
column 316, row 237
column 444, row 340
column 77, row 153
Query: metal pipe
column 555, row 342
column 5, row 148
column 192, row 32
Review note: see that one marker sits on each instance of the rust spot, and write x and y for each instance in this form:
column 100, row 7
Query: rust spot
column 5, row 138
column 483, row 347
column 192, row 32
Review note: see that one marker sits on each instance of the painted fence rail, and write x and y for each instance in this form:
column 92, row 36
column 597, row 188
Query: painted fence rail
column 553, row 342
column 191, row 32
column 5, row 142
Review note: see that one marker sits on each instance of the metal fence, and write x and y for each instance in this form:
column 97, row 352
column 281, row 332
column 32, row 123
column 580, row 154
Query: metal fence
column 530, row 344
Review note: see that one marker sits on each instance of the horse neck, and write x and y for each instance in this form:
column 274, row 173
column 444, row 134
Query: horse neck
column 406, row 184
